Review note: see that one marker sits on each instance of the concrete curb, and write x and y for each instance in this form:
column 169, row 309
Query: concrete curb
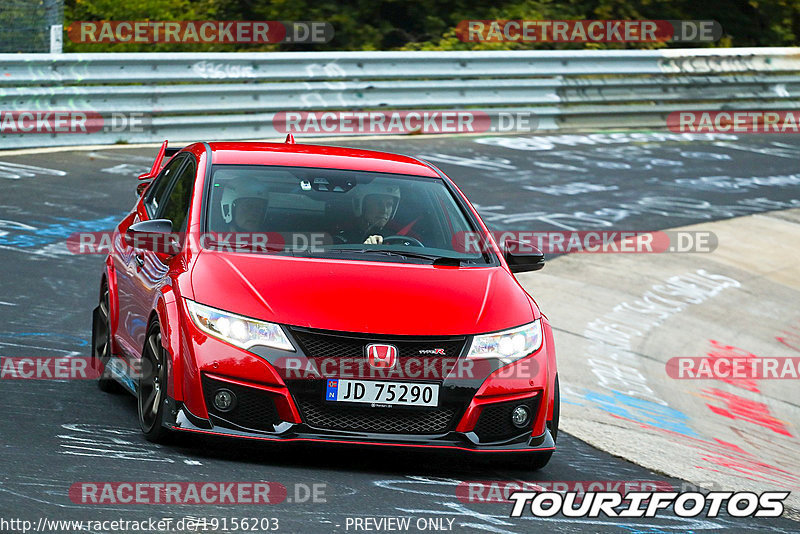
column 618, row 318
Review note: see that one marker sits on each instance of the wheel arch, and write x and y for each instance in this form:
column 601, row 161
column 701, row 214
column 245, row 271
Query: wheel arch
column 552, row 369
column 167, row 314
column 110, row 278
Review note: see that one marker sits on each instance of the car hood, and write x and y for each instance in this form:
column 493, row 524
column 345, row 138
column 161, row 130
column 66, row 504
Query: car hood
column 362, row 296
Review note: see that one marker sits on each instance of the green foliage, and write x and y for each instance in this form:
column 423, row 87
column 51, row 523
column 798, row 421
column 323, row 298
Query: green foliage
column 141, row 10
column 430, row 24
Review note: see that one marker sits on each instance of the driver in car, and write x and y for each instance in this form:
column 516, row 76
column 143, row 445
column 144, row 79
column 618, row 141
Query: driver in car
column 378, row 210
column 374, row 206
column 248, row 214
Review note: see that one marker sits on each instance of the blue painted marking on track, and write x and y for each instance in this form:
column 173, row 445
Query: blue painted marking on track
column 46, row 234
column 641, row 410
column 72, row 339
column 648, row 530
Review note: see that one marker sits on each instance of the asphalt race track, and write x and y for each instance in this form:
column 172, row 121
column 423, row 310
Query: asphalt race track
column 56, row 433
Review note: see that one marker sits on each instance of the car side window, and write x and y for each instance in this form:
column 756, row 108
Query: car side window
column 176, row 206
column 157, row 193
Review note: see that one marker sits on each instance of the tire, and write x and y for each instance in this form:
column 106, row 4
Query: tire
column 101, row 342
column 152, row 387
column 537, row 460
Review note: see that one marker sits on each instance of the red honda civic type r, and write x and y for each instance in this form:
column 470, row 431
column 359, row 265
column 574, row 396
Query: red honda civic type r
column 290, row 292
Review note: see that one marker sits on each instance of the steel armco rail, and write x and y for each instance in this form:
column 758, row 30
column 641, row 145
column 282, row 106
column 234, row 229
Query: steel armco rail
column 236, row 95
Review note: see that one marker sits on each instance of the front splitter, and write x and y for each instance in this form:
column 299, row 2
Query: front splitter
column 184, row 421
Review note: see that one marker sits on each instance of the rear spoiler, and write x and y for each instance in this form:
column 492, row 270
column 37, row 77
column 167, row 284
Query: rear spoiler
column 165, row 151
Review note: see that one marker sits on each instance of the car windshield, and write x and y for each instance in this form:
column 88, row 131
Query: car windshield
column 337, row 213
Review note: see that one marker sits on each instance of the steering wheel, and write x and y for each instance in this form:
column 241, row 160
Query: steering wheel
column 403, row 240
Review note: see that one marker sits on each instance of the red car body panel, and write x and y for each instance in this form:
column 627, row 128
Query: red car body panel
column 367, row 297
column 362, row 296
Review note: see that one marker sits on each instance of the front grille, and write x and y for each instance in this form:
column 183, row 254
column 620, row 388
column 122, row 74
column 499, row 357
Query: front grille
column 379, row 420
column 412, row 364
column 254, row 408
column 495, row 423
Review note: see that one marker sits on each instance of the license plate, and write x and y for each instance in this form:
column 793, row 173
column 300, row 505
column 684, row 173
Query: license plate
column 372, row 392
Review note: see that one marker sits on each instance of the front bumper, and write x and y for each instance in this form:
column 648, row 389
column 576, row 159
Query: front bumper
column 178, row 418
column 286, row 416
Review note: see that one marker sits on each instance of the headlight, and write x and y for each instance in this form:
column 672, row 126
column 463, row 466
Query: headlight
column 509, row 345
column 237, row 330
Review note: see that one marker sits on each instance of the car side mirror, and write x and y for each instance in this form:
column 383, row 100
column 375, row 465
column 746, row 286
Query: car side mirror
column 522, row 257
column 154, row 235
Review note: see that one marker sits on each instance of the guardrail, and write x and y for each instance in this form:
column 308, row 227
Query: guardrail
column 192, row 96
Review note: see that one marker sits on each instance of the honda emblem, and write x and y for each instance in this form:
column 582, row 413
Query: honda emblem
column 382, row 356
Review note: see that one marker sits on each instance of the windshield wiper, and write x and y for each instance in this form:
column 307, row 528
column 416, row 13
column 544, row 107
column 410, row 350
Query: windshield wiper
column 437, row 260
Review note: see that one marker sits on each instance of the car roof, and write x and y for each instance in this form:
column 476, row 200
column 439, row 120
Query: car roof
column 320, row 156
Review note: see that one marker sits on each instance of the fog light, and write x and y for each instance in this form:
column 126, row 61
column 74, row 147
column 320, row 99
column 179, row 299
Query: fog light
column 224, row 399
column 520, row 416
